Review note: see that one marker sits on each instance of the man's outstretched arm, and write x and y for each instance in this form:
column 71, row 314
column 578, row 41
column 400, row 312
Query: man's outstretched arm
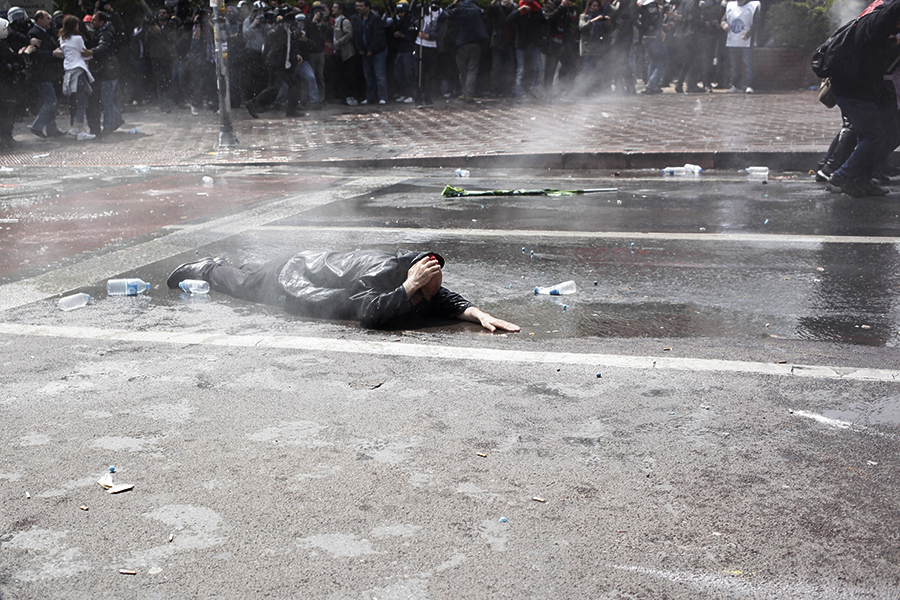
column 476, row 315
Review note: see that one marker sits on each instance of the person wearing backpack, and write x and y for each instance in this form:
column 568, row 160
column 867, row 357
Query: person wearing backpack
column 857, row 82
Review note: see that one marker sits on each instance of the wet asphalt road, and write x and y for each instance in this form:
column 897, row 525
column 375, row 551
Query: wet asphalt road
column 741, row 441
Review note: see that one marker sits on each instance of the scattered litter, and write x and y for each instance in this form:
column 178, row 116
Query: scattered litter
column 121, row 487
column 40, row 155
column 141, row 168
column 482, row 455
column 126, row 287
column 171, row 537
column 503, row 519
column 27, row 495
column 820, row 269
column 790, row 411
column 596, row 282
column 202, row 194
column 194, row 286
column 666, row 349
column 532, row 255
column 560, row 289
column 208, row 181
column 461, row 173
column 112, row 468
column 757, row 170
column 672, row 413
column 84, row 507
column 127, row 572
column 687, row 169
column 538, row 499
column 74, row 301
column 9, row 221
column 866, row 326
column 6, row 170
column 599, row 376
column 766, row 222
column 523, row 249
column 565, row 306
column 106, row 481
column 705, row 407
column 767, row 325
column 134, row 130
column 871, row 463
column 782, row 362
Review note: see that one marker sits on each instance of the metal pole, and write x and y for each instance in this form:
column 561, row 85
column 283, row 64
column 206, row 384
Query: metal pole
column 227, row 139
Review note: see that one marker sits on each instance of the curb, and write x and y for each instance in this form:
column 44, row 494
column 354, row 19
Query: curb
column 776, row 161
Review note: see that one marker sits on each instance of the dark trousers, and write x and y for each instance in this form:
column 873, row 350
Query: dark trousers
column 468, row 59
column 875, row 129
column 276, row 80
column 256, row 282
column 425, row 83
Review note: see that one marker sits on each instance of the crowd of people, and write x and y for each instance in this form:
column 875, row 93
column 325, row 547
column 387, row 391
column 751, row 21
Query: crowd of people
column 293, row 57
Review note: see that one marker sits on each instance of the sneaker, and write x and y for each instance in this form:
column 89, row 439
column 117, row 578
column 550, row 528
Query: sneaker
column 364, row 102
column 37, row 132
column 848, row 186
column 749, row 90
column 84, row 135
column 351, row 101
column 733, row 90
column 194, row 111
column 408, row 100
column 382, row 102
column 73, row 131
column 252, row 110
column 873, row 189
column 822, row 176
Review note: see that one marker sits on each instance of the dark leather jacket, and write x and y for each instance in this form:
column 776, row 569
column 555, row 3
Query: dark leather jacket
column 365, row 286
column 45, row 68
column 104, row 65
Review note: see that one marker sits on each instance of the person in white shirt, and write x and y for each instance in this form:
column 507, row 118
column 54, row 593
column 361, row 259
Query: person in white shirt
column 741, row 20
column 77, row 79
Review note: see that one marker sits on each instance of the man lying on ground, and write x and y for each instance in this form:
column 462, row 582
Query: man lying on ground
column 379, row 289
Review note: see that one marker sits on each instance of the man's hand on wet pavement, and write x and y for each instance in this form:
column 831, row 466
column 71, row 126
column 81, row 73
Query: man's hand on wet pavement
column 476, row 315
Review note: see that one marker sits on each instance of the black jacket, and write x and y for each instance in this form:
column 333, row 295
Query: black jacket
column 467, row 21
column 45, row 68
column 531, row 28
column 372, row 30
column 104, row 65
column 870, row 54
column 365, row 286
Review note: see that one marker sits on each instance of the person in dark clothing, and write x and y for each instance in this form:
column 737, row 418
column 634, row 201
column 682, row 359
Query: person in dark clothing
column 12, row 66
column 858, row 87
column 563, row 24
column 281, row 58
column 529, row 24
column 503, row 56
column 470, row 35
column 405, row 32
column 370, row 39
column 46, row 74
column 105, row 68
column 379, row 289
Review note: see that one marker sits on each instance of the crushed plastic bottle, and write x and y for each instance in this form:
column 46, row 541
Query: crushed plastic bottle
column 194, row 286
column 126, row 287
column 74, row 301
column 560, row 289
column 134, row 130
column 141, row 168
column 757, row 170
column 461, row 173
column 687, row 169
column 208, row 181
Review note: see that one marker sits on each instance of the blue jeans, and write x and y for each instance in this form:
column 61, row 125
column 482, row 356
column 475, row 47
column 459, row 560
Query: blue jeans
column 179, row 76
column 871, row 124
column 112, row 118
column 375, row 71
column 306, row 72
column 405, row 73
column 47, row 116
column 658, row 56
column 745, row 55
column 532, row 55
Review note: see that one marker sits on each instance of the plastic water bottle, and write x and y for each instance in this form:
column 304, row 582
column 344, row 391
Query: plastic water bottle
column 208, row 181
column 134, row 130
column 74, row 301
column 757, row 170
column 141, row 168
column 126, row 287
column 461, row 173
column 194, row 286
column 560, row 289
column 688, row 169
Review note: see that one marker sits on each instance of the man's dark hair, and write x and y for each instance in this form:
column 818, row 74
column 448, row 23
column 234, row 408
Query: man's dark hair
column 103, row 16
column 366, row 2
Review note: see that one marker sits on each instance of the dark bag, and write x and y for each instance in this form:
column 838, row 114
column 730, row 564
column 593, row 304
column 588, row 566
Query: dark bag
column 828, row 58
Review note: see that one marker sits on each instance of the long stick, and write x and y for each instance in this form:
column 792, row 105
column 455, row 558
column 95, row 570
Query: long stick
column 455, row 192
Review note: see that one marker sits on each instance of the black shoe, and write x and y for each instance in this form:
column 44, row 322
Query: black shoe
column 56, row 133
column 679, row 89
column 197, row 269
column 38, row 133
column 873, row 189
column 251, row 108
column 848, row 186
column 118, row 124
column 823, row 176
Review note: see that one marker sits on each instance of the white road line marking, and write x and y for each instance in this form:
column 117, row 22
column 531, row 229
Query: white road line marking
column 761, row 238
column 824, row 420
column 455, row 352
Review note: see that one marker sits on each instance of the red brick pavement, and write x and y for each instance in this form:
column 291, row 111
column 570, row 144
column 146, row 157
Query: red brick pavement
column 765, row 123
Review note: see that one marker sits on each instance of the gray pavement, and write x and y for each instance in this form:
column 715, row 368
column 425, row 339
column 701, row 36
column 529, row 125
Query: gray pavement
column 785, row 131
column 713, row 415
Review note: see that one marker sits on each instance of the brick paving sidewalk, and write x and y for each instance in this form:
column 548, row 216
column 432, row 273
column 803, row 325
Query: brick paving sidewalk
column 670, row 124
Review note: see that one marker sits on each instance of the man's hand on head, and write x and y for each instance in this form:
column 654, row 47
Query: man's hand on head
column 420, row 274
